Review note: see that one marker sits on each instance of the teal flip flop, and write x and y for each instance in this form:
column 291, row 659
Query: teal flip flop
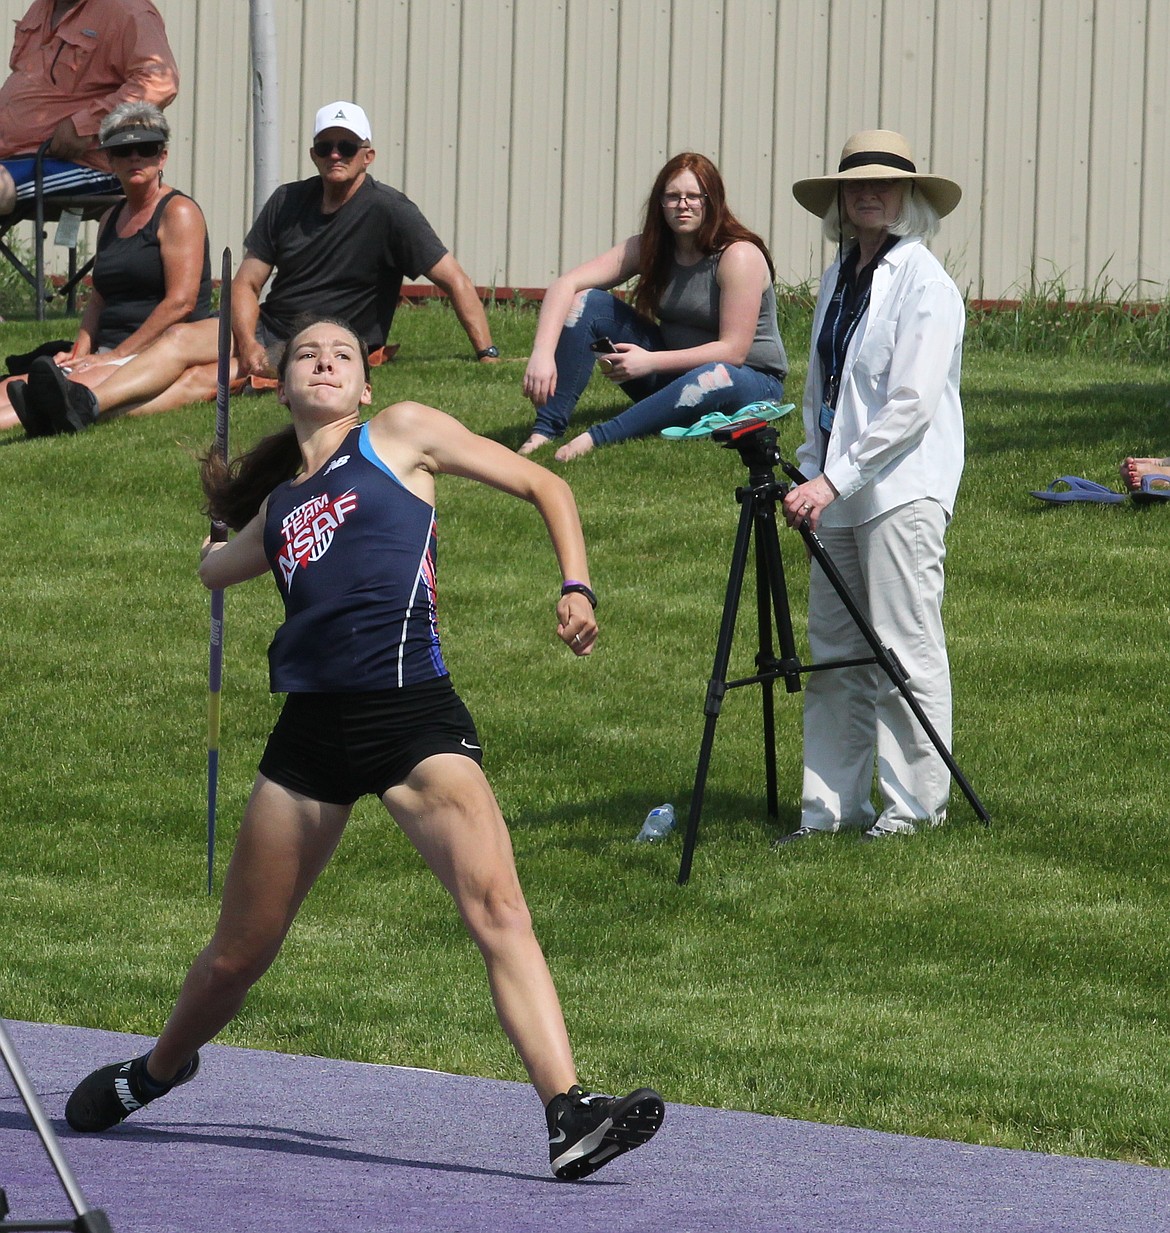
column 1078, row 489
column 716, row 419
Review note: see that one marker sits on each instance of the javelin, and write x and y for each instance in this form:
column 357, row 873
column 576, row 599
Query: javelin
column 218, row 533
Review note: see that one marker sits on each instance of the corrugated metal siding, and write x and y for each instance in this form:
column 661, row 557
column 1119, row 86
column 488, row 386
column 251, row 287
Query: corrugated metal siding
column 529, row 130
column 1115, row 140
column 1062, row 154
column 1154, row 237
column 586, row 214
column 534, row 131
column 1009, row 148
column 959, row 106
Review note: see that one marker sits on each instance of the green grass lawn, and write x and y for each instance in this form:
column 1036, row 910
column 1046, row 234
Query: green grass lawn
column 1002, row 986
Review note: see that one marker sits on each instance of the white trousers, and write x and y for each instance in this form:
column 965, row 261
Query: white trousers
column 893, row 566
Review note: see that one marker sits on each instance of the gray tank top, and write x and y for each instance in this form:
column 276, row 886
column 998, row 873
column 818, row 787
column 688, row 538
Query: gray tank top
column 689, row 316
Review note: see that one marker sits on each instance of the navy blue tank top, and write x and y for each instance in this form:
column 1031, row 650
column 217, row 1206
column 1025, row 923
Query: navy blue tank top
column 353, row 554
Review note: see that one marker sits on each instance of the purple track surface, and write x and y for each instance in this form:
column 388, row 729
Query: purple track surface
column 268, row 1141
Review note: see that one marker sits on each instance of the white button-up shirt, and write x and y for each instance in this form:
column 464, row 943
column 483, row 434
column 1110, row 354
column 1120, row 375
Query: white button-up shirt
column 898, row 430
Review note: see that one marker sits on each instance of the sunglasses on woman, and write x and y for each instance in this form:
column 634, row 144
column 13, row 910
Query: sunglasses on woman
column 347, row 149
column 144, row 149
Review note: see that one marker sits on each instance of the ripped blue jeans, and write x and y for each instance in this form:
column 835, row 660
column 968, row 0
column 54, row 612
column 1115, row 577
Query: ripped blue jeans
column 659, row 400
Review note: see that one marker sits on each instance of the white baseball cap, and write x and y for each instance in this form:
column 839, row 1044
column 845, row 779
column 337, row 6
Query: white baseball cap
column 342, row 115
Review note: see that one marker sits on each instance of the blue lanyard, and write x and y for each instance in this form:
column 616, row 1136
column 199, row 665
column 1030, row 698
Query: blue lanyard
column 841, row 330
column 849, row 304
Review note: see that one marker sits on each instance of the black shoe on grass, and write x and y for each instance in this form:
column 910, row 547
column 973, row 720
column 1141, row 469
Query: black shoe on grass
column 70, row 407
column 110, row 1095
column 586, row 1130
column 34, row 422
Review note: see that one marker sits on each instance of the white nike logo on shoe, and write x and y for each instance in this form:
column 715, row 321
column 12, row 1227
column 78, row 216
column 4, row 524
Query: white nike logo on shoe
column 122, row 1089
column 586, row 1145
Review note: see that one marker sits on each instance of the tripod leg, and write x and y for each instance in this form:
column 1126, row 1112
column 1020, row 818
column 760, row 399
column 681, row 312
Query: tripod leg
column 717, row 686
column 889, row 664
column 88, row 1218
column 763, row 662
column 790, row 664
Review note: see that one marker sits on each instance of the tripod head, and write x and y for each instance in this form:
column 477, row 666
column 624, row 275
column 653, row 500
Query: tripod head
column 755, row 441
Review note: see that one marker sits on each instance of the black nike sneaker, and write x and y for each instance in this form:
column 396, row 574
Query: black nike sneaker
column 111, row 1094
column 587, row 1130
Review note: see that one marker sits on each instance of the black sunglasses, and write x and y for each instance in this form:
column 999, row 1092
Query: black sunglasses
column 347, row 149
column 144, row 149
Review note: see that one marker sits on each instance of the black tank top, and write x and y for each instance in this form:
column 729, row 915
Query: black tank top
column 130, row 278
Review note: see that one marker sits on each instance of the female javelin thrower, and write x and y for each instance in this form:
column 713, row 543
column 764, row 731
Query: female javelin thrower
column 343, row 515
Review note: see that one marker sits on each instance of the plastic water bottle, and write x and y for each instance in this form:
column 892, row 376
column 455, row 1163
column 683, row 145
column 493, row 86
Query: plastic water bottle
column 659, row 823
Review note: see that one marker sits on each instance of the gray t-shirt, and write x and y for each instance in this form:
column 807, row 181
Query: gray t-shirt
column 689, row 316
column 348, row 264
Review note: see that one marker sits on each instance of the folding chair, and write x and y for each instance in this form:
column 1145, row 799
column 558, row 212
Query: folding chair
column 39, row 210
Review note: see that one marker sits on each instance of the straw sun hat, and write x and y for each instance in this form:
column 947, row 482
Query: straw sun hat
column 876, row 154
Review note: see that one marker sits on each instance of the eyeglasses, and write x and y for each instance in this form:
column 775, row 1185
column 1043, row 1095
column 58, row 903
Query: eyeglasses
column 673, row 200
column 347, row 149
column 144, row 149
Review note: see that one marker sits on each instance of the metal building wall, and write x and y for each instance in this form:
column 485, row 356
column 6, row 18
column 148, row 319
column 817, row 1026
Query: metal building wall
column 529, row 130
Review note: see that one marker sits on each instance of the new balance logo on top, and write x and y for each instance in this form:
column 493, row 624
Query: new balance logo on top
column 337, row 462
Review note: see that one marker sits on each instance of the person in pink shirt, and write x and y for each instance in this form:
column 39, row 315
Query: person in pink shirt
column 73, row 62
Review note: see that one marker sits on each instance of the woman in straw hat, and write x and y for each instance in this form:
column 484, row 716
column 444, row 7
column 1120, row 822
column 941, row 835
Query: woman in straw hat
column 884, row 452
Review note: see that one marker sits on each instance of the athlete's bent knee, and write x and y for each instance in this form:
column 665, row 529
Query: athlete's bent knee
column 497, row 916
column 236, row 972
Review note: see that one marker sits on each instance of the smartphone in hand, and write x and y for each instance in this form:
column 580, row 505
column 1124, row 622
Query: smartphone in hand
column 603, row 346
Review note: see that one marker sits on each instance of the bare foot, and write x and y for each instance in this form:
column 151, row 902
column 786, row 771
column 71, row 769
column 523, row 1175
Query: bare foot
column 533, row 443
column 1133, row 469
column 577, row 448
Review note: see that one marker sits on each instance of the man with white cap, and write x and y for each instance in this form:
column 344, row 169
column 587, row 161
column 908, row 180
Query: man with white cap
column 340, row 244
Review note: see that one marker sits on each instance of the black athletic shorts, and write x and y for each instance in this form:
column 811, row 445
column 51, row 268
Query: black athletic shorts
column 337, row 747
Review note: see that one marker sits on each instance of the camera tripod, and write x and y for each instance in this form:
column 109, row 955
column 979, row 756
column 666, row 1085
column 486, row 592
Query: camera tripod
column 89, row 1219
column 756, row 443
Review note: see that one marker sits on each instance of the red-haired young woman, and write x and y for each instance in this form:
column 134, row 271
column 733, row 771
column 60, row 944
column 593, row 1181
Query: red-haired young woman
column 699, row 336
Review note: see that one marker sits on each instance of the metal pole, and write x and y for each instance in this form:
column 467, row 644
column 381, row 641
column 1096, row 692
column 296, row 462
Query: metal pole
column 265, row 103
column 88, row 1218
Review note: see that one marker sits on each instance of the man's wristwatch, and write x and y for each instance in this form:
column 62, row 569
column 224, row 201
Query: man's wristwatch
column 488, row 353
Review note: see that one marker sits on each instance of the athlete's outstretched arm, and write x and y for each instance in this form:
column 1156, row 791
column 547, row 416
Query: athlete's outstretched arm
column 420, row 437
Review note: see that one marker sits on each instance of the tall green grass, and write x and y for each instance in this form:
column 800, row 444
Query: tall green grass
column 1002, row 986
column 1105, row 320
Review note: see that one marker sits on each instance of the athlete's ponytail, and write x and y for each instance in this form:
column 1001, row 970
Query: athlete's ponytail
column 236, row 490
